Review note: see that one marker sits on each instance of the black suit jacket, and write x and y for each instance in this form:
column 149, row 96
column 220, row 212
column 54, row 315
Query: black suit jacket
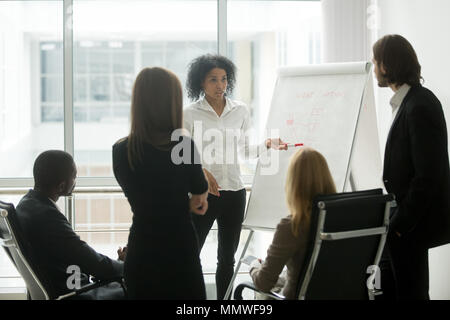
column 416, row 169
column 53, row 245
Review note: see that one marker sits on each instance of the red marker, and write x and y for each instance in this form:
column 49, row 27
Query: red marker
column 294, row 145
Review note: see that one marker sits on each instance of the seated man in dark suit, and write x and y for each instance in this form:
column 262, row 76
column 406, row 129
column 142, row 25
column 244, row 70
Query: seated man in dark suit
column 56, row 250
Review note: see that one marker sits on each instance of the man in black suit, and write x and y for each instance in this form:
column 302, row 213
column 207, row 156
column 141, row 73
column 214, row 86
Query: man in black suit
column 56, row 250
column 416, row 170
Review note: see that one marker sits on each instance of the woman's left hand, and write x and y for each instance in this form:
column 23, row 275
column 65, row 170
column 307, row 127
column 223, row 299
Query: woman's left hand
column 198, row 203
column 276, row 144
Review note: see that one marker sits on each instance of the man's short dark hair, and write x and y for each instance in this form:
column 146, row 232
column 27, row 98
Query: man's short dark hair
column 199, row 68
column 51, row 168
column 399, row 60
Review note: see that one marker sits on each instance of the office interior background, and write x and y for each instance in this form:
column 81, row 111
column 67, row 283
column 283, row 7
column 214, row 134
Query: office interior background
column 67, row 70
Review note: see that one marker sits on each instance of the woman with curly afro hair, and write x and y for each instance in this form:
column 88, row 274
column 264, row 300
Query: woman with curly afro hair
column 219, row 126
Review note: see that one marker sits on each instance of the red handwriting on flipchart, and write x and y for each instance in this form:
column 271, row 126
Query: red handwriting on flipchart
column 305, row 95
column 290, row 120
column 311, row 126
column 333, row 94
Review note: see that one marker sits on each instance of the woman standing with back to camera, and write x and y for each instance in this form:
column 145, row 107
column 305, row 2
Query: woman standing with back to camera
column 162, row 260
column 211, row 80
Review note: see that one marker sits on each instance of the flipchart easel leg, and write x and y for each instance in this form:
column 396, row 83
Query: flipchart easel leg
column 352, row 182
column 244, row 250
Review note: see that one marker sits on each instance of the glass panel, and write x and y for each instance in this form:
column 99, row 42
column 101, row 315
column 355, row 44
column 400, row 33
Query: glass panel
column 277, row 33
column 80, row 88
column 102, row 211
column 99, row 59
column 123, row 60
column 31, row 83
column 122, row 86
column 51, row 91
column 105, row 243
column 51, row 113
column 113, row 41
column 51, row 62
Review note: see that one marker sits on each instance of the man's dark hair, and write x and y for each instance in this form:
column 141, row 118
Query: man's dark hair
column 399, row 60
column 199, row 68
column 51, row 168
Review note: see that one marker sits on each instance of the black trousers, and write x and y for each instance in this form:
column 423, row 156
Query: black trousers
column 404, row 269
column 163, row 261
column 228, row 210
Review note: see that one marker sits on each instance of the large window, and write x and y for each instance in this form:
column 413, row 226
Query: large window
column 111, row 41
column 263, row 36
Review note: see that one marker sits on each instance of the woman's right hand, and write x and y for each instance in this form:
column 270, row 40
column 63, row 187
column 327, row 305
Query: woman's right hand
column 198, row 203
column 213, row 187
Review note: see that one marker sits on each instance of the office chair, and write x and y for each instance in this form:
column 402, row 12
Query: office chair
column 18, row 250
column 350, row 231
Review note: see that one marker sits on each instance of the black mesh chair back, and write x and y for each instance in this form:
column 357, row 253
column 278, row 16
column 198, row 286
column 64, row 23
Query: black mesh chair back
column 345, row 247
column 16, row 248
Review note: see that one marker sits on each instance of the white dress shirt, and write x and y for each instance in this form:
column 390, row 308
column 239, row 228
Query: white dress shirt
column 396, row 102
column 222, row 140
column 397, row 99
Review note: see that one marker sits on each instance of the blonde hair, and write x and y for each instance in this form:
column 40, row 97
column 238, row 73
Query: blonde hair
column 308, row 176
column 156, row 111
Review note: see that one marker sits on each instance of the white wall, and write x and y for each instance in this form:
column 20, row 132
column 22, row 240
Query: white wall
column 345, row 35
column 425, row 24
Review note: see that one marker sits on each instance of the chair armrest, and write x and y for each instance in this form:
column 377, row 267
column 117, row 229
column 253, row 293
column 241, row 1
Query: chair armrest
column 248, row 285
column 91, row 286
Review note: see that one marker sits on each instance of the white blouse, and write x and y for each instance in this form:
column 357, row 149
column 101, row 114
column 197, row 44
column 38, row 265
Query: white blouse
column 222, row 140
column 397, row 100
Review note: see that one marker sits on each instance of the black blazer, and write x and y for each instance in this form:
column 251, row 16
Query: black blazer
column 416, row 169
column 53, row 245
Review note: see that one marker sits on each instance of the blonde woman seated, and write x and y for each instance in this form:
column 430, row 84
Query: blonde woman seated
column 308, row 175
